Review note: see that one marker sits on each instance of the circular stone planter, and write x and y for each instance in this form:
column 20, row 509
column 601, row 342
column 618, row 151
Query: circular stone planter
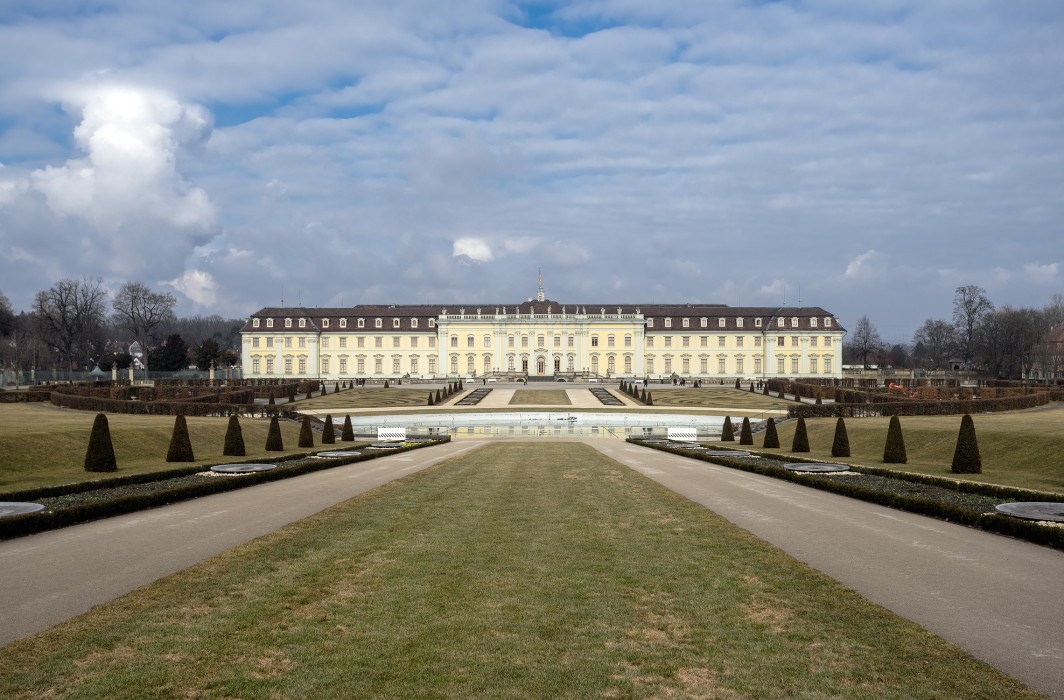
column 1032, row 510
column 728, row 453
column 815, row 468
column 386, row 445
column 9, row 508
column 338, row 453
column 242, row 468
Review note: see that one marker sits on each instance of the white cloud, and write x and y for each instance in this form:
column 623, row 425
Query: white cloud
column 1043, row 274
column 863, row 265
column 474, row 249
column 198, row 286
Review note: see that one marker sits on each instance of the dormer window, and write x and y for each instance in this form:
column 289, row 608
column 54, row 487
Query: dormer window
column 395, row 323
column 812, row 322
column 413, row 323
column 343, row 323
column 757, row 323
column 721, row 323
column 650, row 323
column 254, row 323
column 738, row 323
column 705, row 323
column 378, row 323
column 288, row 323
column 686, row 323
column 432, row 323
column 325, row 323
column 668, row 323
column 302, row 323
column 794, row 322
column 827, row 322
column 361, row 323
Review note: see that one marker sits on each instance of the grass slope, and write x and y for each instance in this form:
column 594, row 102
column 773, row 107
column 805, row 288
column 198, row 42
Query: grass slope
column 1022, row 448
column 41, row 445
column 520, row 570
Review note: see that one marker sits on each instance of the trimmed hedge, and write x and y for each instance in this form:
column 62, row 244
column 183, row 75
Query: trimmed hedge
column 746, row 435
column 840, row 445
column 100, row 454
column 180, row 449
column 894, row 449
column 17, row 526
column 727, row 433
column 772, row 438
column 234, row 439
column 991, row 522
column 966, row 459
column 919, row 408
column 800, row 443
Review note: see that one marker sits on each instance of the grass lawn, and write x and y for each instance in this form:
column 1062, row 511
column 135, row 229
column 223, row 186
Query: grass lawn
column 538, row 570
column 717, row 397
column 545, row 397
column 367, row 397
column 41, row 445
column 1021, row 448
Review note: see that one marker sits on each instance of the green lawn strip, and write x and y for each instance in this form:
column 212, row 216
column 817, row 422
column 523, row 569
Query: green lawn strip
column 1021, row 448
column 520, row 570
column 545, row 397
column 368, row 397
column 41, row 445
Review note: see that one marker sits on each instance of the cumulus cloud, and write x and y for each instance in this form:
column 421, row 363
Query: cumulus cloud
column 1043, row 274
column 197, row 285
column 474, row 249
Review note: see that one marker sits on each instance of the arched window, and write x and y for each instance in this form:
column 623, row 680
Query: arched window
column 627, row 364
column 611, row 364
column 594, row 363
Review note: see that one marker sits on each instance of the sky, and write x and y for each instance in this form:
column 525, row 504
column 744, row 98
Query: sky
column 865, row 157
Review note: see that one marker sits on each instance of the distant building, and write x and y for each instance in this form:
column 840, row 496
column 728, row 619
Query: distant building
column 542, row 339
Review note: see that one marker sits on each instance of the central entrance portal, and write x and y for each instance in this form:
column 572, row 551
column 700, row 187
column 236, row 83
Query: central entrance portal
column 541, row 366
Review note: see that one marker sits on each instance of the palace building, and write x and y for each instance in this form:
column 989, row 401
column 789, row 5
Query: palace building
column 542, row 339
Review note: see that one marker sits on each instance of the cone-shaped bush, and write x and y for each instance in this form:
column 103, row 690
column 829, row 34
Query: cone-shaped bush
column 643, row 395
column 431, row 401
column 306, row 435
column 819, row 399
column 180, row 444
column 764, row 389
column 966, row 458
column 737, row 385
column 650, row 399
column 727, row 433
column 840, row 446
column 772, row 438
column 800, row 443
column 328, row 435
column 461, row 385
column 100, row 455
column 439, row 397
column 234, row 439
column 348, row 433
column 308, row 393
column 274, row 443
column 386, row 384
column 746, row 435
column 751, row 387
column 894, row 450
column 336, row 388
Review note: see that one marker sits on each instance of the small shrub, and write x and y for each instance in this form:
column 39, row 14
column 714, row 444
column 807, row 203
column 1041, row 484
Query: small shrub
column 727, row 433
column 180, row 444
column 772, row 438
column 306, row 435
column 894, row 450
column 737, row 384
column 840, row 446
column 819, row 399
column 439, row 397
column 100, row 455
column 764, row 389
column 385, row 383
column 431, row 401
column 274, row 443
column 348, row 433
column 650, row 399
column 966, row 459
column 746, row 435
column 234, row 439
column 328, row 435
column 801, row 437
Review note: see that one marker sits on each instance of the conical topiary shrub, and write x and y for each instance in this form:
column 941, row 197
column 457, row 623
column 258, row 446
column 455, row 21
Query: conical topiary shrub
column 819, row 399
column 180, row 444
column 746, row 435
column 800, row 443
column 737, row 385
column 348, row 433
column 650, row 399
column 274, row 443
column 840, row 446
column 306, row 435
column 431, row 401
column 439, row 396
column 894, row 450
column 966, row 459
column 772, row 438
column 100, row 455
column 328, row 435
column 727, row 432
column 234, row 439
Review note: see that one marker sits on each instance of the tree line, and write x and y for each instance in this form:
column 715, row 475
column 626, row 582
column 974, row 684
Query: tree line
column 1005, row 342
column 76, row 324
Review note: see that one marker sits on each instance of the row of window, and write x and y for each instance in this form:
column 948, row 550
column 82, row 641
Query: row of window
column 739, row 322
column 740, row 341
column 359, row 323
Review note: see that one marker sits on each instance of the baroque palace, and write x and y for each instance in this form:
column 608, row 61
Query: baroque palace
column 542, row 339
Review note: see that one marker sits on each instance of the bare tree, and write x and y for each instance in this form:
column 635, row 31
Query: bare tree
column 934, row 343
column 865, row 340
column 970, row 306
column 7, row 316
column 141, row 311
column 70, row 316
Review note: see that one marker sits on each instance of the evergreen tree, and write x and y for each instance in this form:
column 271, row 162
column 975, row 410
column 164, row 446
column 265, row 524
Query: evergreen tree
column 306, row 435
column 894, row 450
column 274, row 443
column 746, row 435
column 772, row 439
column 966, row 459
column 328, row 435
column 100, row 455
column 727, row 433
column 801, row 437
column 234, row 439
column 180, row 444
column 840, row 446
column 348, row 433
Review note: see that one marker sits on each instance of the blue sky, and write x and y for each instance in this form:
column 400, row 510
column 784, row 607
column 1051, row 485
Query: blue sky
column 872, row 155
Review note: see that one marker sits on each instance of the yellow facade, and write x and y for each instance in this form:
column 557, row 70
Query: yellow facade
column 542, row 339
